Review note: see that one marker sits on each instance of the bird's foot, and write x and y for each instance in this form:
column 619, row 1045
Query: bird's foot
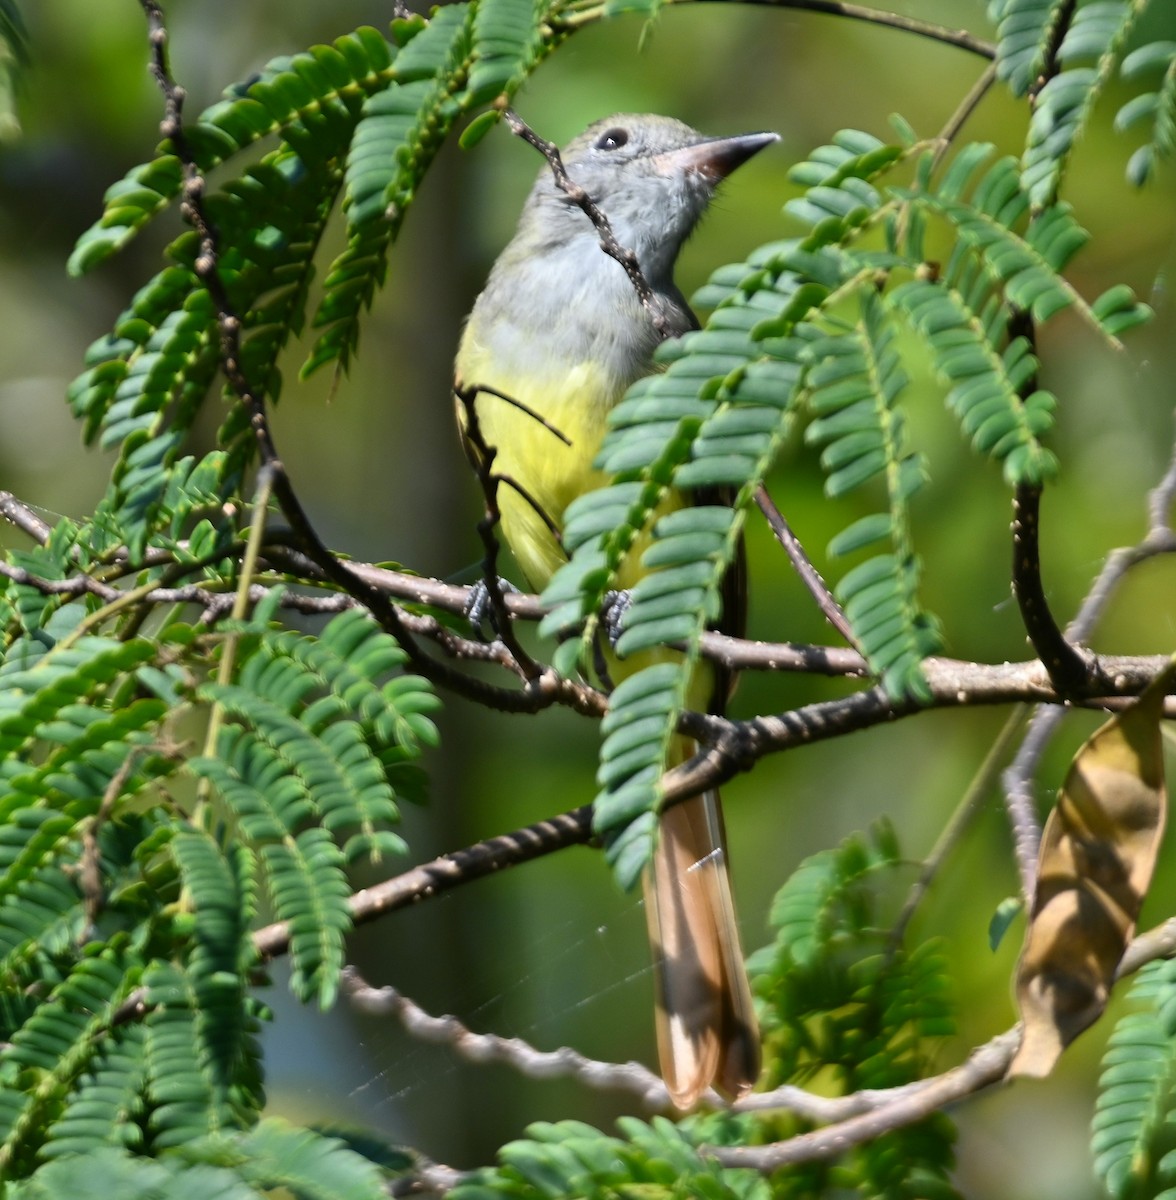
column 479, row 609
column 612, row 615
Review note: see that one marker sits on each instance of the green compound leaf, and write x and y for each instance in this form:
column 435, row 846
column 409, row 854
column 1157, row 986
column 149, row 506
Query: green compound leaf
column 398, row 134
column 312, row 99
column 1025, row 30
column 1064, row 105
column 1157, row 109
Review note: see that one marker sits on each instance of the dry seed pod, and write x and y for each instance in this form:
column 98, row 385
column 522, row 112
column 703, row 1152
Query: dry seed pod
column 1097, row 855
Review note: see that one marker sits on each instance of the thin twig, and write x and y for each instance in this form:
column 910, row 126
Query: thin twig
column 1020, row 796
column 526, row 409
column 1051, row 62
column 488, row 1048
column 228, row 657
column 482, row 455
column 592, row 10
column 960, row 38
column 17, row 513
column 625, row 255
column 964, row 110
column 803, row 566
column 970, row 805
column 572, row 828
column 1160, row 501
column 90, row 868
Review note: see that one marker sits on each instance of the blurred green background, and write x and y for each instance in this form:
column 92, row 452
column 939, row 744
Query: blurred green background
column 552, row 952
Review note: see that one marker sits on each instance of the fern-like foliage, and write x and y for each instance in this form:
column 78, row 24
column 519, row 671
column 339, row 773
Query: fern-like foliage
column 248, row 1166
column 841, row 997
column 14, row 55
column 132, row 868
column 1068, row 54
column 1097, row 34
column 1158, row 108
column 1133, row 1146
column 359, row 120
column 855, row 380
column 813, row 325
column 126, row 957
column 299, row 764
column 1025, row 31
column 573, row 1159
column 305, row 98
column 399, row 130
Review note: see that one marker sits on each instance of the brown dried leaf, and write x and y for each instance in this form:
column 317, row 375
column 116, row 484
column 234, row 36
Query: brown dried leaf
column 1097, row 854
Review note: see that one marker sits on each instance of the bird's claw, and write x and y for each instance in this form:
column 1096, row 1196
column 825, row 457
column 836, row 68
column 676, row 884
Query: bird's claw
column 479, row 609
column 612, row 615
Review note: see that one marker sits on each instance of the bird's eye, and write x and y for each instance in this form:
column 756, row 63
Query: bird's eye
column 612, row 139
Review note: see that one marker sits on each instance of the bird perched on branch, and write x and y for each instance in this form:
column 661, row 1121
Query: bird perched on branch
column 562, row 330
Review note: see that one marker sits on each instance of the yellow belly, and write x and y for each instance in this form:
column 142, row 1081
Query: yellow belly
column 549, row 471
column 552, row 473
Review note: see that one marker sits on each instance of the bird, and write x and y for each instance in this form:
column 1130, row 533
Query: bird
column 560, row 332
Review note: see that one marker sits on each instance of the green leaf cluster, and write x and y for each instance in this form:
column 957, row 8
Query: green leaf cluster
column 656, row 1160
column 845, row 1005
column 818, row 327
column 129, row 886
column 1132, row 1138
column 1090, row 41
column 244, row 1166
column 355, row 123
column 133, row 868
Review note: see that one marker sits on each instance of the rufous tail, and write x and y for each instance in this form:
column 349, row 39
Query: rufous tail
column 707, row 1034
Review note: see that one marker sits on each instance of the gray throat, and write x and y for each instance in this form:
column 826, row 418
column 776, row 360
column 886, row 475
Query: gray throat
column 567, row 302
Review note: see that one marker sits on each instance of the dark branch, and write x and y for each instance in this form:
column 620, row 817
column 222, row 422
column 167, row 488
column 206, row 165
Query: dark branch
column 1017, row 780
column 482, row 455
column 1050, row 64
column 803, row 566
column 960, row 38
column 1066, row 666
column 572, row 828
column 732, row 747
column 514, row 402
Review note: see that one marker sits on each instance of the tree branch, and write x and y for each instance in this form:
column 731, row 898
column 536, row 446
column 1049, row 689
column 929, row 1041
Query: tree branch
column 450, row 870
column 540, row 690
column 874, row 1113
column 482, row 456
column 904, row 1106
column 1017, row 780
column 592, row 10
column 488, row 1048
column 959, row 38
column 17, row 513
column 803, row 565
column 1067, row 668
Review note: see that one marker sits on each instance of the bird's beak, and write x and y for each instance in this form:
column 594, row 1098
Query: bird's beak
column 715, row 158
